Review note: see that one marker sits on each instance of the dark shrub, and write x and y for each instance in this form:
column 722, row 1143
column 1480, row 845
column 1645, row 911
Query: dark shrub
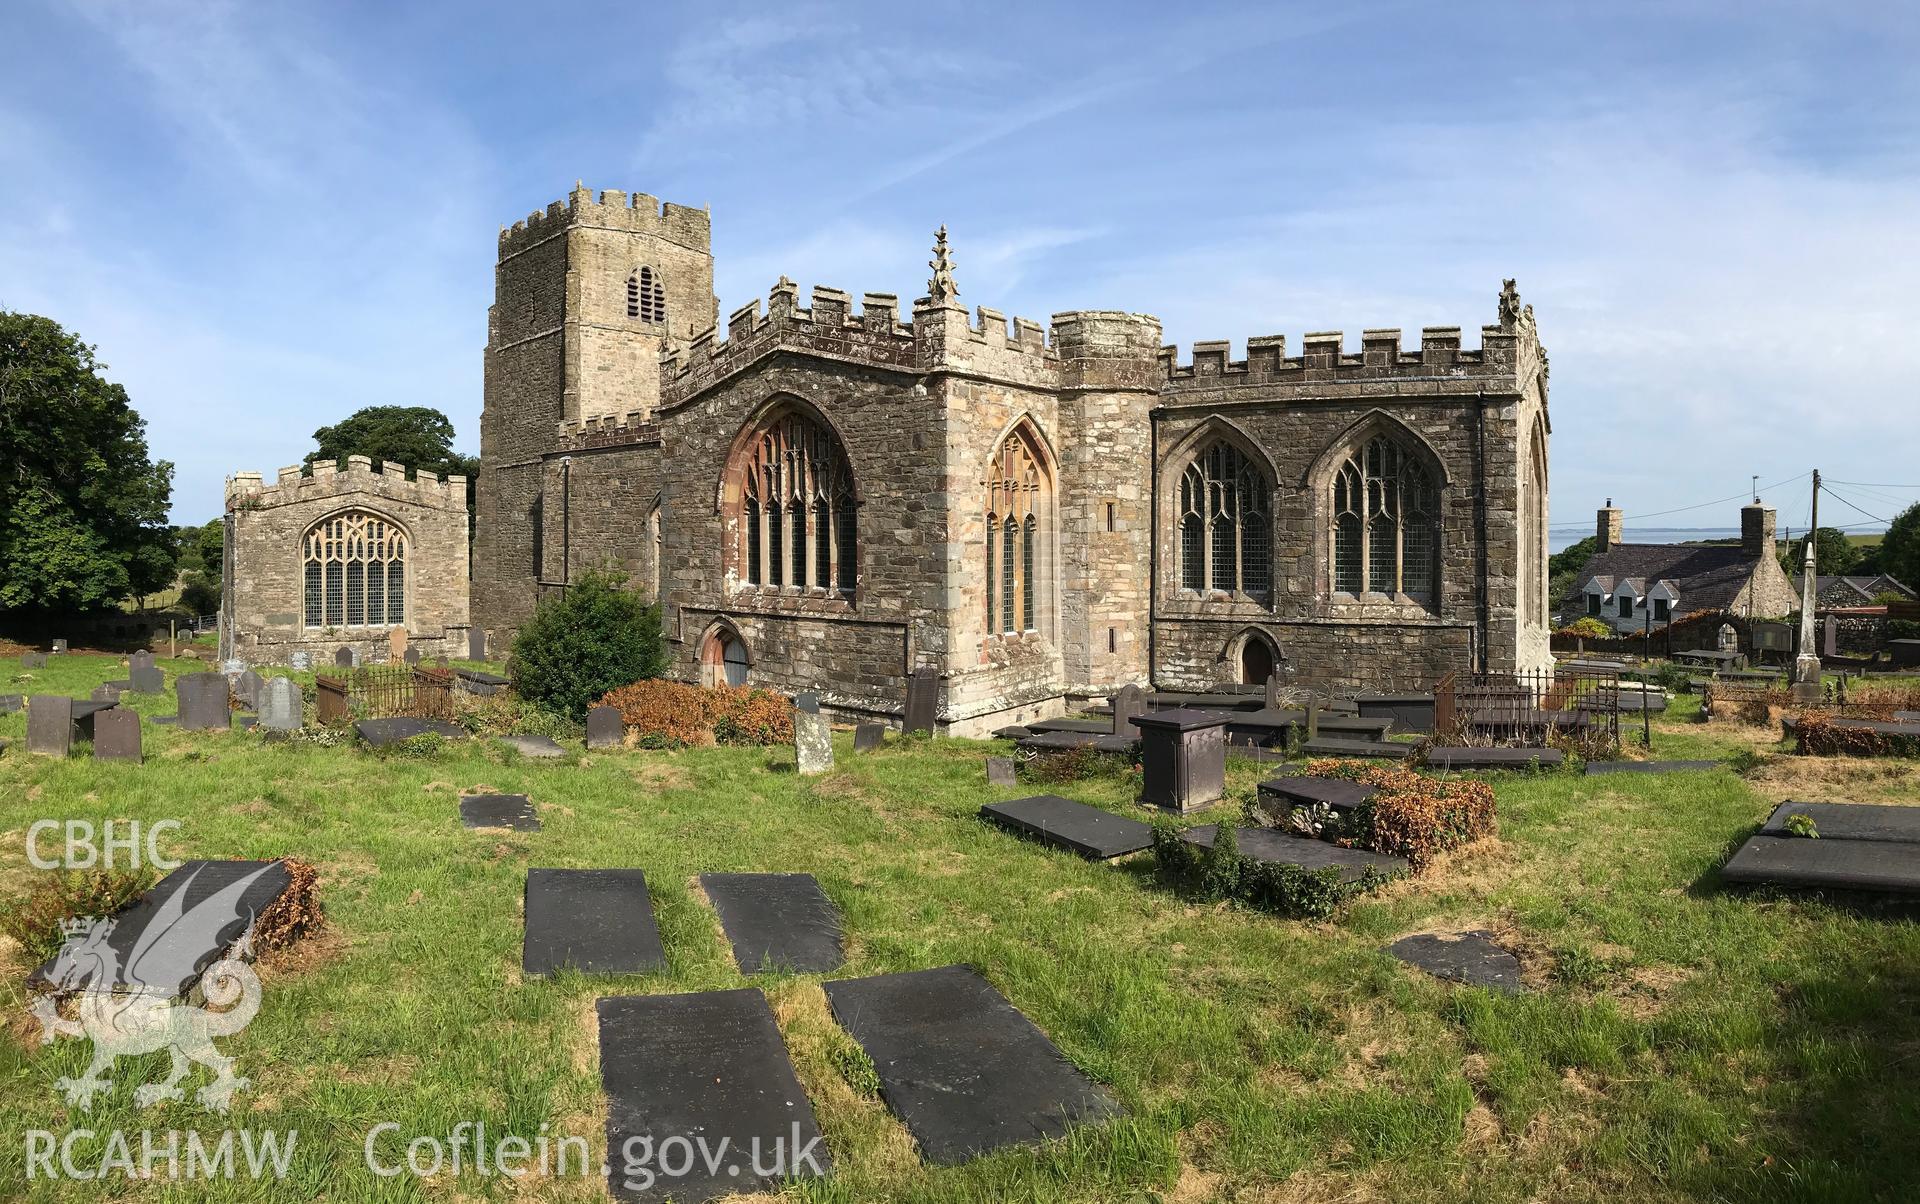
column 596, row 637
column 35, row 920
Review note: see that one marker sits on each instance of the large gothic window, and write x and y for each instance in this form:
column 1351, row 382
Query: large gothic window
column 1226, row 538
column 356, row 572
column 1386, row 521
column 1016, row 489
column 797, row 519
column 646, row 296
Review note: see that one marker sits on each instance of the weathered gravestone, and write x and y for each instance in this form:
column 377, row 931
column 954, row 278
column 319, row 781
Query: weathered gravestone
column 204, row 702
column 233, row 666
column 59, row 646
column 344, row 658
column 116, row 735
column 1001, row 772
column 1129, row 702
column 1273, row 698
column 281, row 705
column 605, row 729
column 146, row 678
column 246, row 688
column 1830, row 637
column 544, row 747
column 476, row 643
column 411, row 656
column 33, row 660
column 807, row 701
column 923, row 700
column 9, row 703
column 50, row 724
column 397, row 644
column 105, row 693
column 1728, row 639
column 812, row 741
column 869, row 736
column 301, row 660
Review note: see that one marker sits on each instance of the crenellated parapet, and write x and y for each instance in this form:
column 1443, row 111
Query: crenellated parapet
column 611, row 209
column 327, row 479
column 587, row 434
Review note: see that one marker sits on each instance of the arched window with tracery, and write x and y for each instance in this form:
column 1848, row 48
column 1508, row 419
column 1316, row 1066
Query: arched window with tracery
column 646, row 296
column 356, row 572
column 1226, row 536
column 1017, row 489
column 797, row 525
column 1386, row 523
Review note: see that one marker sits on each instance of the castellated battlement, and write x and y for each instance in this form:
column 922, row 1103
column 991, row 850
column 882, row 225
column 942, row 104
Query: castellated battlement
column 615, row 210
column 293, row 484
column 608, row 431
column 1324, row 357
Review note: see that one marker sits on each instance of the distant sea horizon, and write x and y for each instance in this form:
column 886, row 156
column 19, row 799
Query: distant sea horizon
column 1559, row 540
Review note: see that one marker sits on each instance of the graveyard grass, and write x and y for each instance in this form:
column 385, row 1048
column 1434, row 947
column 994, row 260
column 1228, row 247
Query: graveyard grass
column 1683, row 1042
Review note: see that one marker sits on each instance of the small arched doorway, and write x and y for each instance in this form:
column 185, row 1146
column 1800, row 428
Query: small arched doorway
column 1256, row 661
column 724, row 659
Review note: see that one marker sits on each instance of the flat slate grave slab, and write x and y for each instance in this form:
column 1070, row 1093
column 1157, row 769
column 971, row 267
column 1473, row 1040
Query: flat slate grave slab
column 1494, row 758
column 382, row 732
column 534, row 746
column 171, row 934
column 596, row 921
column 1885, row 866
column 1269, row 844
column 1066, row 824
column 709, row 1066
column 1597, row 767
column 777, row 922
column 1380, row 750
column 1337, row 793
column 964, row 1071
column 1468, row 957
column 499, row 811
column 1849, row 821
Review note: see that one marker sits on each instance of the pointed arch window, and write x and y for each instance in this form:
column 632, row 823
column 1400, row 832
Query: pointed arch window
column 355, row 572
column 1017, row 487
column 646, row 296
column 1386, row 522
column 797, row 517
column 1225, row 529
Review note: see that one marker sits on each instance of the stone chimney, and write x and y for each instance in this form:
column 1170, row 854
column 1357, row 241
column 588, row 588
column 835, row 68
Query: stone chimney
column 1607, row 532
column 1756, row 530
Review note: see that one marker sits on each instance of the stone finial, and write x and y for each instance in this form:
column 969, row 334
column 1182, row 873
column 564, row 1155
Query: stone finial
column 941, row 288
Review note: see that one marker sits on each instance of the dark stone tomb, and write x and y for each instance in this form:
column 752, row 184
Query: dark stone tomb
column 1183, row 757
column 1065, row 824
column 1494, row 758
column 1267, row 844
column 1600, row 767
column 596, row 921
column 511, row 811
column 780, row 922
column 382, row 732
column 964, row 1071
column 1468, row 957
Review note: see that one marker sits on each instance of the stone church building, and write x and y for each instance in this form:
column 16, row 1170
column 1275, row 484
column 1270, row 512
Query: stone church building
column 824, row 497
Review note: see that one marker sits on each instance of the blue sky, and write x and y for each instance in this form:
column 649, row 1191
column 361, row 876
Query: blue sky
column 268, row 216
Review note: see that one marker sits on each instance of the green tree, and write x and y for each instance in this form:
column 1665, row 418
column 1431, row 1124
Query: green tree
column 416, row 436
column 1833, row 554
column 201, row 565
column 1900, row 548
column 1573, row 557
column 596, row 637
column 82, row 505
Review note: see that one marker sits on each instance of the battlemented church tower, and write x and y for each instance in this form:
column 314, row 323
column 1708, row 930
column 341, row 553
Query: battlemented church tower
column 586, row 297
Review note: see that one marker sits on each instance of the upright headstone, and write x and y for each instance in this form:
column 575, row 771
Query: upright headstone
column 106, row 693
column 281, row 706
column 812, row 741
column 807, row 701
column 1128, row 701
column 116, row 735
column 204, row 703
column 140, row 659
column 246, row 688
column 59, row 645
column 605, row 729
column 397, row 644
column 1830, row 638
column 1001, row 772
column 1273, row 692
column 1729, row 639
column 300, row 661
column 476, row 643
column 869, row 736
column 411, row 656
column 233, row 666
column 50, row 724
column 923, row 700
column 147, row 678
column 33, row 660
column 343, row 657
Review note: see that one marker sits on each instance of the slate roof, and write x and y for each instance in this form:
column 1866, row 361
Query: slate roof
column 1707, row 576
column 1866, row 587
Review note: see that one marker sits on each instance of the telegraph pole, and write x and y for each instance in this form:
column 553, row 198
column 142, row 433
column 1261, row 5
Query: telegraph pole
column 1806, row 666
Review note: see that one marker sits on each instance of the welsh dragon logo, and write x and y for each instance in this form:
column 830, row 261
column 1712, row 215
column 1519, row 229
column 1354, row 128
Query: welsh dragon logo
column 133, row 1006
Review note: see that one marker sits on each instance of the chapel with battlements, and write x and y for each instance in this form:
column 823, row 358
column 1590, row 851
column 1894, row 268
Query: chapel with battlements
column 822, row 496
